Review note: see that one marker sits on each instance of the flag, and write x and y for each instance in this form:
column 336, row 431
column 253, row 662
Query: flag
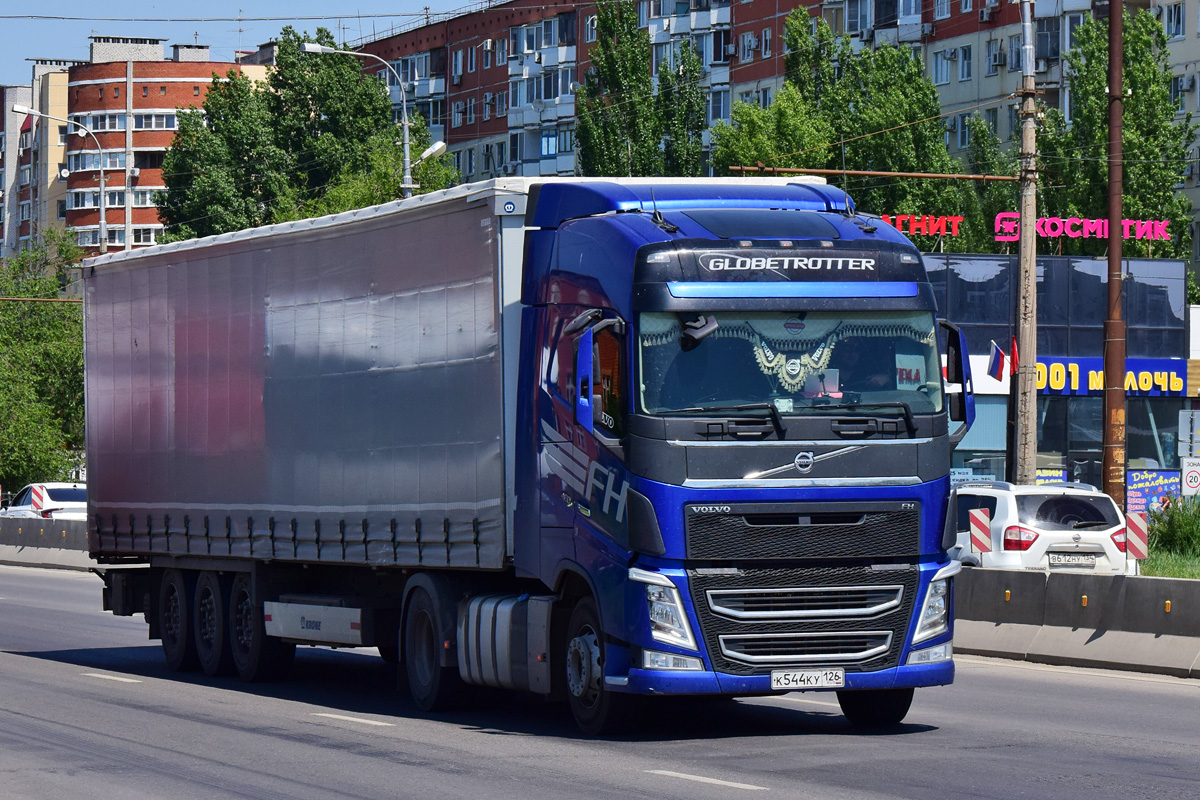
column 1015, row 360
column 996, row 362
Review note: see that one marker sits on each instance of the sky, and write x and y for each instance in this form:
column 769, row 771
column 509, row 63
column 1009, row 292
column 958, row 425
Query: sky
column 30, row 30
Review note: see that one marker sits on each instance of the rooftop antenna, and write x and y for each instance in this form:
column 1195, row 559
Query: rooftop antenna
column 658, row 219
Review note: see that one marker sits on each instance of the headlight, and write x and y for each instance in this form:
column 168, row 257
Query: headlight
column 935, row 611
column 668, row 619
column 652, row 659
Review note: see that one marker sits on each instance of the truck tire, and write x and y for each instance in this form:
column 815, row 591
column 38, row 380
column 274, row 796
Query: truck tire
column 175, row 621
column 432, row 686
column 597, row 710
column 211, row 628
column 256, row 656
column 877, row 708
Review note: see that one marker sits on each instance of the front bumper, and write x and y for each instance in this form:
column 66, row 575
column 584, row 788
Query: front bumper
column 664, row 682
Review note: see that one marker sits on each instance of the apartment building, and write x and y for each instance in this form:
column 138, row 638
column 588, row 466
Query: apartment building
column 11, row 154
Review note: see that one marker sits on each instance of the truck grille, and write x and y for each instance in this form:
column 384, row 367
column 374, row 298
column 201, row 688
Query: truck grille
column 803, row 530
column 805, row 603
column 754, row 620
column 805, row 648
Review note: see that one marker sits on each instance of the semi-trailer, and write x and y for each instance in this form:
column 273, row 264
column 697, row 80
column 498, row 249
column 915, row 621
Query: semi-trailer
column 594, row 439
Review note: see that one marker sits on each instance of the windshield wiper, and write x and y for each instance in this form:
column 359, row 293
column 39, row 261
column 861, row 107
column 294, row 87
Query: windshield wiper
column 909, row 421
column 1097, row 524
column 776, row 420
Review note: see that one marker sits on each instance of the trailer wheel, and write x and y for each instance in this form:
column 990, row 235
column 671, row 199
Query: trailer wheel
column 256, row 656
column 432, row 686
column 212, row 632
column 174, row 621
column 597, row 710
column 879, row 708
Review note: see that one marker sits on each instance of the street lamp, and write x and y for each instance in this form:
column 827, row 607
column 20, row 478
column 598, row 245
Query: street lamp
column 20, row 109
column 407, row 186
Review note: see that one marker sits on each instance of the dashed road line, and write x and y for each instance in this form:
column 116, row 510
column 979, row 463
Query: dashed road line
column 701, row 779
column 116, row 678
column 360, row 720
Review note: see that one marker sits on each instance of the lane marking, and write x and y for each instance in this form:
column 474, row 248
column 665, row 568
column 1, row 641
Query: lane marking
column 116, row 678
column 701, row 779
column 812, row 702
column 1061, row 670
column 344, row 718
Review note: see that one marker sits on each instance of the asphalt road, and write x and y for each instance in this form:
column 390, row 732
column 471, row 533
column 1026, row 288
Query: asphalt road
column 87, row 709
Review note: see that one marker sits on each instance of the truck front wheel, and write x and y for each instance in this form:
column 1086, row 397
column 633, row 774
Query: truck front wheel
column 211, row 628
column 877, row 708
column 597, row 710
column 175, row 621
column 256, row 656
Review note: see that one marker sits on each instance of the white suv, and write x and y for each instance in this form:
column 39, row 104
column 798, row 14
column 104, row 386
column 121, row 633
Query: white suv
column 49, row 501
column 1060, row 526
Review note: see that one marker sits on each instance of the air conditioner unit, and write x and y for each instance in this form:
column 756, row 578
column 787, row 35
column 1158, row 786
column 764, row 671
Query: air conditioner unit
column 488, row 45
column 952, row 54
column 866, row 35
column 730, row 49
column 1188, row 83
column 666, row 23
column 510, row 168
column 952, row 124
column 986, row 14
column 1156, row 10
column 927, row 29
column 1041, row 66
column 456, row 79
column 998, row 58
column 753, row 42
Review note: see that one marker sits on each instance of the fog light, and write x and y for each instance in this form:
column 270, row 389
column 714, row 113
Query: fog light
column 932, row 655
column 652, row 659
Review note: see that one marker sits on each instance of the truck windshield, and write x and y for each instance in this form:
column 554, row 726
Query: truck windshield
column 794, row 360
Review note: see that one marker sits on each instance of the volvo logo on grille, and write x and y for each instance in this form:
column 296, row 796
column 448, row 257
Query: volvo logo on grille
column 711, row 509
column 804, row 461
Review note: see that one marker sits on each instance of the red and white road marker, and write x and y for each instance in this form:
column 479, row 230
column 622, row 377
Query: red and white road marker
column 981, row 530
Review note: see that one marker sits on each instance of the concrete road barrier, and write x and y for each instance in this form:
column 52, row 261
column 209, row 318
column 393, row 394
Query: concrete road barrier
column 1112, row 622
column 45, row 543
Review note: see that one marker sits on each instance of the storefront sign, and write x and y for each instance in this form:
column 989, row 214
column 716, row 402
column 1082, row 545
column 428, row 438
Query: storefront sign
column 1144, row 377
column 1046, row 475
column 1008, row 228
column 924, row 224
column 1147, row 489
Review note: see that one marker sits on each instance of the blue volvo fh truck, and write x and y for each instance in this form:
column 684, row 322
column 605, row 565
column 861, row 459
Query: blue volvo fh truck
column 599, row 440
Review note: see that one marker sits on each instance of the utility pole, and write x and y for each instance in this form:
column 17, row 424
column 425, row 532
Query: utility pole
column 1025, row 394
column 1114, row 323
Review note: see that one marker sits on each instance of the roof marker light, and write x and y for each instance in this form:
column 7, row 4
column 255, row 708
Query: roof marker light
column 826, row 243
column 745, row 244
column 785, row 244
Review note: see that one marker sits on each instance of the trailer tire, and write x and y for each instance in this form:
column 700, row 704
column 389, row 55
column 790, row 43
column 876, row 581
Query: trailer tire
column 878, row 708
column 432, row 686
column 256, row 656
column 598, row 711
column 211, row 628
column 175, row 621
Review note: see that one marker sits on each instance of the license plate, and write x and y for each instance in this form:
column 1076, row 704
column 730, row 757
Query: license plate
column 792, row 680
column 1072, row 559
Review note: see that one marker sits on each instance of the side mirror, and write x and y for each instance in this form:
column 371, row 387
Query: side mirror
column 961, row 404
column 584, row 405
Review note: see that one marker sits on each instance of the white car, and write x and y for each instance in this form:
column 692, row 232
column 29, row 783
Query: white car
column 49, row 501
column 1063, row 526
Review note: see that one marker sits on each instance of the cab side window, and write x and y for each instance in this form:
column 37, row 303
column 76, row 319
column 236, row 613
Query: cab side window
column 608, row 376
column 967, row 503
column 561, row 376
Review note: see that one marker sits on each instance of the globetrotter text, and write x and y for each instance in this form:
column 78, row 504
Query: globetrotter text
column 717, row 262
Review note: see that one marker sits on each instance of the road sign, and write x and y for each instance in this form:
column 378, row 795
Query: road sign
column 1190, row 478
column 981, row 530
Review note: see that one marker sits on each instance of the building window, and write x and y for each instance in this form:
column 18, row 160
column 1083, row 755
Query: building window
column 993, row 57
column 114, row 199
column 941, row 68
column 156, row 122
column 992, row 117
column 1047, row 38
column 62, row 209
column 941, row 9
column 470, row 59
column 457, row 69
column 501, row 52
column 195, row 91
column 501, row 104
column 23, row 211
column 967, row 6
column 764, row 97
column 1178, row 87
column 145, row 91
column 458, row 161
column 909, row 8
column 62, row 134
column 858, row 15
column 116, row 91
column 162, row 90
column 456, row 114
column 500, row 159
column 964, row 131
column 1073, row 23
column 143, row 199
column 718, row 106
column 746, row 52
column 1014, row 53
column 766, row 43
column 148, row 159
column 549, row 143
column 487, row 106
column 1173, row 21
column 143, row 235
column 965, row 62
column 589, row 29
column 720, row 45
column 566, row 140
column 470, row 110
column 470, row 160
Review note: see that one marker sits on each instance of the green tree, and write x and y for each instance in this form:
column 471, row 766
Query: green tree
column 787, row 133
column 619, row 130
column 682, row 108
column 41, row 357
column 987, row 156
column 1154, row 136
column 315, row 138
